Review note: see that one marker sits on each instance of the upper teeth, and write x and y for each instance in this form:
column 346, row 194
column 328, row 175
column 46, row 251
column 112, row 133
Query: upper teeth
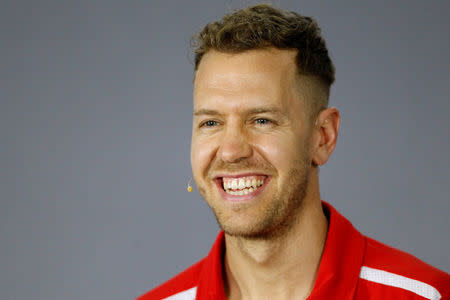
column 242, row 183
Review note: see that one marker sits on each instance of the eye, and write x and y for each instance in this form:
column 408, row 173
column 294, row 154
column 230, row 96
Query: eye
column 209, row 123
column 262, row 121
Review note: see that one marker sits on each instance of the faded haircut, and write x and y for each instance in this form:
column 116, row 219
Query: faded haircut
column 263, row 26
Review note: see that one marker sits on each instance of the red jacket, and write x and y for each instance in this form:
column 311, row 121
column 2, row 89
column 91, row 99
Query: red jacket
column 352, row 267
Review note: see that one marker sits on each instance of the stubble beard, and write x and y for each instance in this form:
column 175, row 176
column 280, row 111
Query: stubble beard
column 280, row 214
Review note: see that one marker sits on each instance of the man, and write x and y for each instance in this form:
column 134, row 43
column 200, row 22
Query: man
column 261, row 129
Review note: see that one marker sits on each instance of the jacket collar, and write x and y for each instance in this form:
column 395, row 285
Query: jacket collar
column 341, row 261
column 210, row 285
column 339, row 267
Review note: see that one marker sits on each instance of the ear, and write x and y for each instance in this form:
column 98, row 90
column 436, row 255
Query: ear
column 325, row 133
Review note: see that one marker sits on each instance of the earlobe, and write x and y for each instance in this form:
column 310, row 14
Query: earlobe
column 326, row 131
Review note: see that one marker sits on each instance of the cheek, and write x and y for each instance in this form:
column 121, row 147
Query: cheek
column 280, row 151
column 201, row 153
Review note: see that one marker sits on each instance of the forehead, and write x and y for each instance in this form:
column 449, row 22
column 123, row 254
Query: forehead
column 267, row 73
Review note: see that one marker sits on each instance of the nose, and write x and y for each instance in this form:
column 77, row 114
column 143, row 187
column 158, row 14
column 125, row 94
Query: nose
column 234, row 145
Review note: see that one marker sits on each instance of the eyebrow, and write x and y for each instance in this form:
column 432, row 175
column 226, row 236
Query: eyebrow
column 208, row 112
column 253, row 111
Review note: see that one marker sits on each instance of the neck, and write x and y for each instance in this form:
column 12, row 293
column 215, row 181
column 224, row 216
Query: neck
column 280, row 267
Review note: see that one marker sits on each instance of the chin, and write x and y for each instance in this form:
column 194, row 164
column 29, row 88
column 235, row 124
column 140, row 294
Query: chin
column 254, row 233
column 268, row 226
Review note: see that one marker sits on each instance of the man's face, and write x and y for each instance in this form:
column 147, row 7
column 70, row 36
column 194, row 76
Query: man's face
column 250, row 140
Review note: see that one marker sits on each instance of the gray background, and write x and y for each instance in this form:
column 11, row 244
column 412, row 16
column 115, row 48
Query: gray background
column 95, row 123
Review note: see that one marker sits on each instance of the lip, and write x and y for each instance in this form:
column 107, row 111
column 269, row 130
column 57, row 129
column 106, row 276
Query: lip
column 218, row 176
column 238, row 198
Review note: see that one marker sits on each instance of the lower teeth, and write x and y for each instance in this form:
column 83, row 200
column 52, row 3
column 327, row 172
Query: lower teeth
column 240, row 192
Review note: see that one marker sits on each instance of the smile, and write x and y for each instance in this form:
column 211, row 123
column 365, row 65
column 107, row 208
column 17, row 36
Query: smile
column 242, row 185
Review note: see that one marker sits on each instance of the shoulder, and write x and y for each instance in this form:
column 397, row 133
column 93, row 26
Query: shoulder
column 185, row 282
column 385, row 267
column 381, row 256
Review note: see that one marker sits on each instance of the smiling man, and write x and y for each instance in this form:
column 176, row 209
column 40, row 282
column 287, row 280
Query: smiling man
column 261, row 129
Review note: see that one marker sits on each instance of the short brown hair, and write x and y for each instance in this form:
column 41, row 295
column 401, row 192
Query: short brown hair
column 263, row 26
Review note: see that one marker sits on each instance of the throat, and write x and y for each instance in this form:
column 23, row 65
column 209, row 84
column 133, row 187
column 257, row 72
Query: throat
column 281, row 268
